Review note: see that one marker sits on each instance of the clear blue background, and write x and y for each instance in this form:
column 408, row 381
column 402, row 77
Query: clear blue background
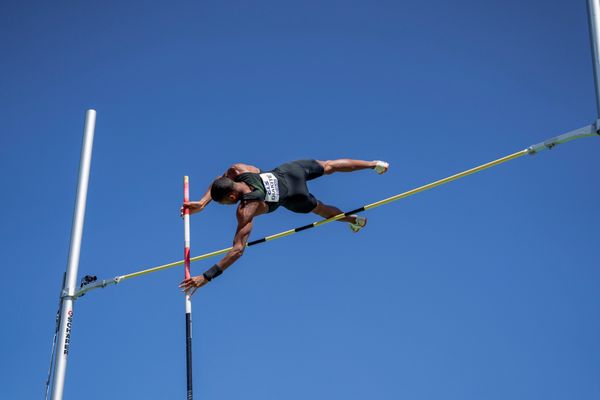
column 486, row 288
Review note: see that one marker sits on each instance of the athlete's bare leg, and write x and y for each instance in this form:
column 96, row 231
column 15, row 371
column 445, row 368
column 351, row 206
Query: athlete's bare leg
column 326, row 211
column 346, row 165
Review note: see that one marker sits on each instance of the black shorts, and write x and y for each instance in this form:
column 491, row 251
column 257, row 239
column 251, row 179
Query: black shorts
column 296, row 174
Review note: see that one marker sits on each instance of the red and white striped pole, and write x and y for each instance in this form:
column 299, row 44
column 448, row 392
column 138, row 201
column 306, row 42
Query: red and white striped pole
column 188, row 298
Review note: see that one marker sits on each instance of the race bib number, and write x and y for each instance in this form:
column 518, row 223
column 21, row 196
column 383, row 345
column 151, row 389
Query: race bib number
column 271, row 186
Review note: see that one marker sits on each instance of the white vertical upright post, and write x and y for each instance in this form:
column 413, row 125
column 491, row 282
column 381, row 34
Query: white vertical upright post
column 188, row 300
column 70, row 283
column 594, row 21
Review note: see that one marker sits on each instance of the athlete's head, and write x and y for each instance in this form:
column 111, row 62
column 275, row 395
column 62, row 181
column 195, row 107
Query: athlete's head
column 224, row 191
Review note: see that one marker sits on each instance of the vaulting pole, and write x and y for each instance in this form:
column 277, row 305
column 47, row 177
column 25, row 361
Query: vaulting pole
column 594, row 24
column 188, row 299
column 70, row 283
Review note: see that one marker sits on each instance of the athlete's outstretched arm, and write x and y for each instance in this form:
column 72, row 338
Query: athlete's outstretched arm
column 197, row 206
column 232, row 172
column 245, row 215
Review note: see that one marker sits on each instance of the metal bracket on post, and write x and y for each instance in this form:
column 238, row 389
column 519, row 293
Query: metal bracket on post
column 95, row 285
column 589, row 130
column 65, row 295
column 593, row 129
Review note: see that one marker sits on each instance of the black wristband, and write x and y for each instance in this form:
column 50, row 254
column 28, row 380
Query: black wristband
column 212, row 273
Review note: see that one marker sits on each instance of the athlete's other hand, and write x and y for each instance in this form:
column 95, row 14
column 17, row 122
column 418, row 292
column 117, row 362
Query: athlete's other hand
column 194, row 207
column 192, row 284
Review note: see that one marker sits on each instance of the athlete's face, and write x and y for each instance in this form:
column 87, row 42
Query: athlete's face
column 232, row 198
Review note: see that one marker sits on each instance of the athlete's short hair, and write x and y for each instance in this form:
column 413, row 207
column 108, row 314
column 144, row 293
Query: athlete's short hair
column 220, row 188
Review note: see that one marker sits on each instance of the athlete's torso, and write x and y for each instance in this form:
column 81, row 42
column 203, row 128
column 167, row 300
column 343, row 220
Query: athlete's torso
column 270, row 187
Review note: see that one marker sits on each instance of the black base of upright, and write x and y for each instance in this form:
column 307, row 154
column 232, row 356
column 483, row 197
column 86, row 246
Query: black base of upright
column 188, row 354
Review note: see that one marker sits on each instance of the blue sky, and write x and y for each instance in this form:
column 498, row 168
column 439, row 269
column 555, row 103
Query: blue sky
column 485, row 288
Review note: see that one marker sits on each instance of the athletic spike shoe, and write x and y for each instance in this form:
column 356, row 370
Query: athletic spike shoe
column 381, row 167
column 358, row 224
